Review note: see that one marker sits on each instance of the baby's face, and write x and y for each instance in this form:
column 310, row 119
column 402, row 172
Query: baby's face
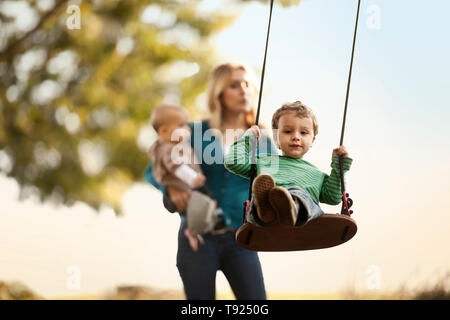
column 295, row 135
column 175, row 129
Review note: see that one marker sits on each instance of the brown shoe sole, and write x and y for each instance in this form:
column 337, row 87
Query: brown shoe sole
column 261, row 187
column 281, row 200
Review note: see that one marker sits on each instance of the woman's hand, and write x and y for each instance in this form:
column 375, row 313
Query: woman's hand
column 193, row 240
column 179, row 197
column 340, row 152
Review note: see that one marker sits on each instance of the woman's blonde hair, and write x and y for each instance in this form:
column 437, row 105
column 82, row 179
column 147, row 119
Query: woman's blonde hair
column 219, row 79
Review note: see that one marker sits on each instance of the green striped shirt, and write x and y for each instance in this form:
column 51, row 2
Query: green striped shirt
column 288, row 172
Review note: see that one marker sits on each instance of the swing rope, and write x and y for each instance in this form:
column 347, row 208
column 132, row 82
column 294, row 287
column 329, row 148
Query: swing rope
column 346, row 201
column 349, row 76
column 253, row 146
column 264, row 65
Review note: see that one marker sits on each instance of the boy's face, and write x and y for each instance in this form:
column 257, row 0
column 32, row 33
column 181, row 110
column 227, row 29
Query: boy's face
column 175, row 129
column 295, row 135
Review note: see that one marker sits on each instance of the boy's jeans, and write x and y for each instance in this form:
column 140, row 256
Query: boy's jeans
column 312, row 208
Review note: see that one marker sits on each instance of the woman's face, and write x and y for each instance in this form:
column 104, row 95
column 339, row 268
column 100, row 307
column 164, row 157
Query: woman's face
column 237, row 96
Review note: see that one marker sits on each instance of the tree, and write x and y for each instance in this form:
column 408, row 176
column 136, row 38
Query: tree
column 79, row 80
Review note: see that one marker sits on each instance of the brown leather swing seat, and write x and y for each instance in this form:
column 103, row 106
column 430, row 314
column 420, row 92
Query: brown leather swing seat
column 326, row 231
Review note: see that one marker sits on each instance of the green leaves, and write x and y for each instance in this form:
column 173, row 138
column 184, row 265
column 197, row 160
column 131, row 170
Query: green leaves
column 75, row 100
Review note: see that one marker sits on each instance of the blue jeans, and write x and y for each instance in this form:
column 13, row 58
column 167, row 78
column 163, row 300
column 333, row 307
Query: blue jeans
column 198, row 269
column 310, row 206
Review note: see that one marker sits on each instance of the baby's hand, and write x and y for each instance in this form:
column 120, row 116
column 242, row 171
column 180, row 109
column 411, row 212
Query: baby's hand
column 199, row 181
column 340, row 152
column 193, row 240
column 256, row 131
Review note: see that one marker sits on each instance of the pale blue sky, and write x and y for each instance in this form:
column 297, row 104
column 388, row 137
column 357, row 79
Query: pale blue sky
column 409, row 52
column 400, row 78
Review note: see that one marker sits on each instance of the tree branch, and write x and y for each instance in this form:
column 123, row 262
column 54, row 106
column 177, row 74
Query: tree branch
column 12, row 48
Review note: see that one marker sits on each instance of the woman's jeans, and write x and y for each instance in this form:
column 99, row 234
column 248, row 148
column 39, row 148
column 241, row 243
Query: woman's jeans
column 198, row 269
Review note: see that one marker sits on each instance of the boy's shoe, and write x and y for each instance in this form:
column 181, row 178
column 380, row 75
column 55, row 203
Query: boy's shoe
column 261, row 187
column 281, row 200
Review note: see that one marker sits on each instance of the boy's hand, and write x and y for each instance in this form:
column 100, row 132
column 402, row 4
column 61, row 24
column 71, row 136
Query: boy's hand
column 256, row 131
column 340, row 152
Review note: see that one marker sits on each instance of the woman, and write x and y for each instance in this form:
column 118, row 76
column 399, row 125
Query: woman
column 231, row 103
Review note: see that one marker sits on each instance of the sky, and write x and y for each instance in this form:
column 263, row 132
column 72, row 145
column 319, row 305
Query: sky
column 396, row 133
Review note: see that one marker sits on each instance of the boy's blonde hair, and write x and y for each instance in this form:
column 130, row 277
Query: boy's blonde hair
column 300, row 111
column 164, row 113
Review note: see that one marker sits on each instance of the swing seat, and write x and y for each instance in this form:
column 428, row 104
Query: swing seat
column 326, row 231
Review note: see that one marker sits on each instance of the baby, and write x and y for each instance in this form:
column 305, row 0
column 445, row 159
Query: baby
column 174, row 165
column 287, row 188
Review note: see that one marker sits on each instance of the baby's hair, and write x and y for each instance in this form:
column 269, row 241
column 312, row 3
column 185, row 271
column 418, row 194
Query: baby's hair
column 300, row 111
column 163, row 113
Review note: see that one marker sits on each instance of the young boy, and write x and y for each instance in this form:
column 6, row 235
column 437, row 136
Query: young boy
column 287, row 188
column 174, row 165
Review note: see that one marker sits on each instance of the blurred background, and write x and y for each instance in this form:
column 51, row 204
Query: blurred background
column 79, row 79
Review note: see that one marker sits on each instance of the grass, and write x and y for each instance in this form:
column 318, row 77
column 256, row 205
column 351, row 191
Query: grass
column 439, row 290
